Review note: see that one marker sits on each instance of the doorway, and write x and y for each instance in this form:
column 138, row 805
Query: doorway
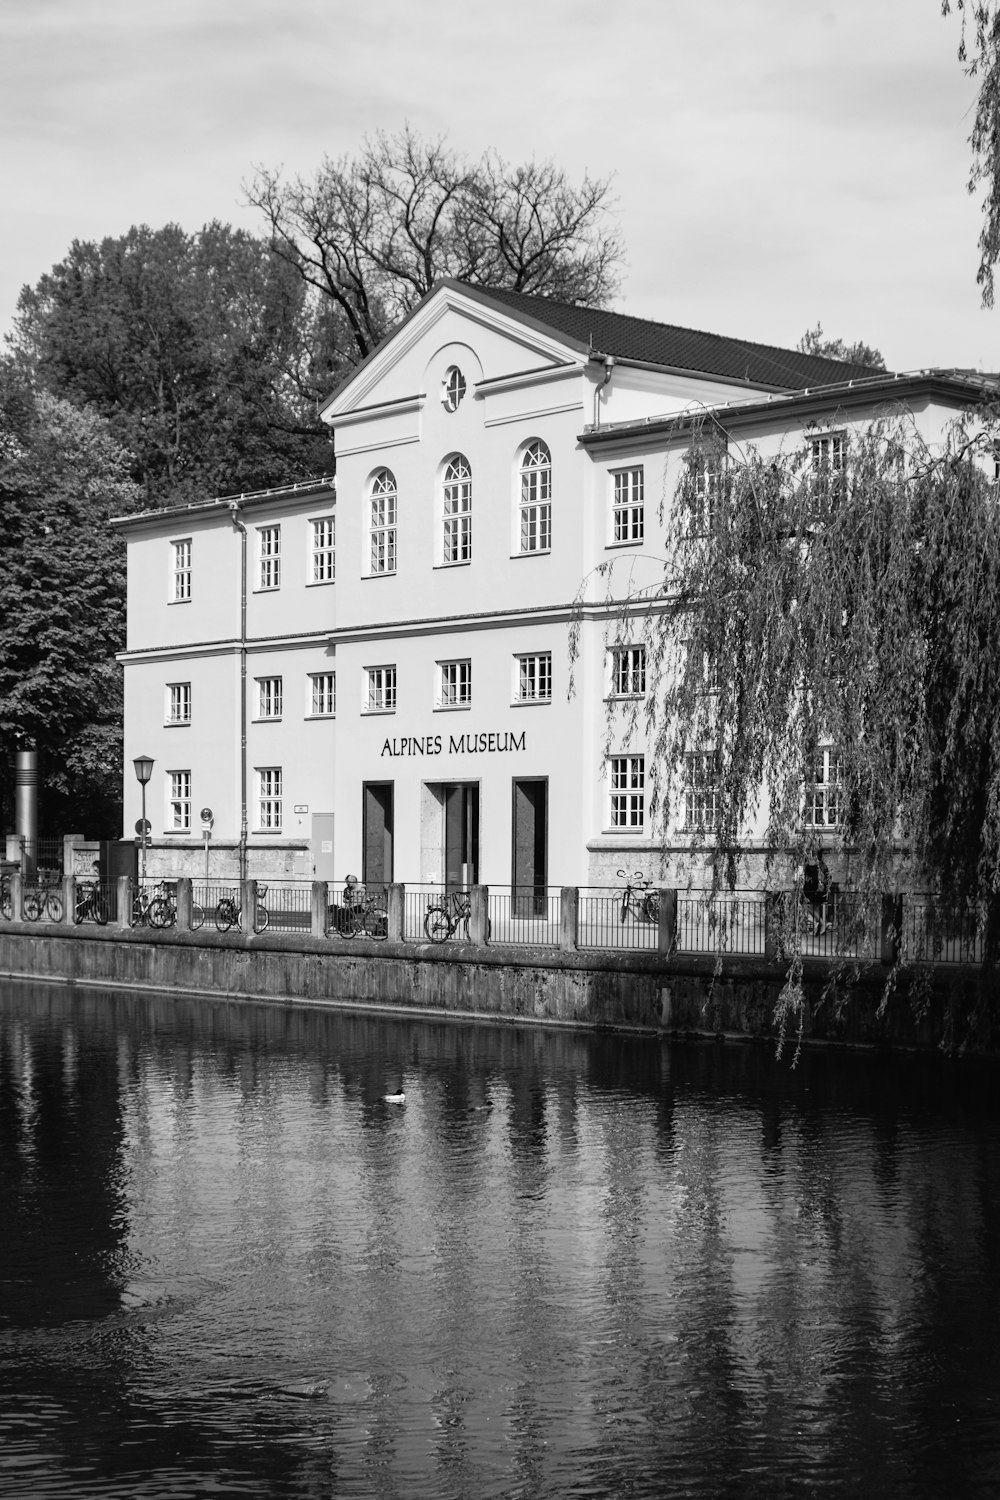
column 461, row 834
column 377, row 832
column 529, row 864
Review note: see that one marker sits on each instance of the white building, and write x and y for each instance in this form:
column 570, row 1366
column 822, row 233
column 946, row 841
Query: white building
column 400, row 642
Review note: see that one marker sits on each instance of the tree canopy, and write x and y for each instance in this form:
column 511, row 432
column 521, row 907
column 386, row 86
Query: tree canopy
column 814, row 341
column 62, row 474
column 199, row 349
column 371, row 234
column 979, row 51
column 851, row 606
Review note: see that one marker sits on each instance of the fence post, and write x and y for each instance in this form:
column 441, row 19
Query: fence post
column 892, row 928
column 68, row 884
column 17, row 897
column 569, row 918
column 123, row 902
column 396, row 926
column 772, row 913
column 319, row 908
column 666, row 927
column 479, row 915
column 185, row 902
column 248, row 905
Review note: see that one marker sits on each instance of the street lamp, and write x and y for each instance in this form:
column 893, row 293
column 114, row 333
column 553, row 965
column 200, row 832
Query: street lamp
column 143, row 771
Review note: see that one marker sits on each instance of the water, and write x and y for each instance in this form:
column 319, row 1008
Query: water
column 567, row 1266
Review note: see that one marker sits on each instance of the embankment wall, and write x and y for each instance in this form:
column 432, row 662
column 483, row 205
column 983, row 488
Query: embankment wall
column 683, row 993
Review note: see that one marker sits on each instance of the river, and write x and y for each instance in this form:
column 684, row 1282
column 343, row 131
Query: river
column 568, row 1265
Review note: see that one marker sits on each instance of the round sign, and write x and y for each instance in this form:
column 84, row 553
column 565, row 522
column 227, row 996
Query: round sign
column 207, row 816
column 143, row 825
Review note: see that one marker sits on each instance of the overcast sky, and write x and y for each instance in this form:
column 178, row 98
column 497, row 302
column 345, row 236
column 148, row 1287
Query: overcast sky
column 776, row 162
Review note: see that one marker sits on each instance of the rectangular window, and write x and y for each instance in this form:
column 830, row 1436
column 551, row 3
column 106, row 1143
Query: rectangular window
column 701, row 790
column 269, row 556
column 269, row 800
column 380, row 689
column 324, row 562
column 707, row 488
column 178, row 703
column 269, row 695
column 455, row 684
column 629, row 672
column 701, row 668
column 181, row 570
column 628, row 791
column 383, row 532
column 534, row 677
column 827, row 456
column 628, row 520
column 322, row 694
column 179, row 812
column 822, row 790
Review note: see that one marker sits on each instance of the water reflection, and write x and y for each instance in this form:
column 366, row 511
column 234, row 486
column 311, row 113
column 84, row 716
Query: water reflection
column 570, row 1265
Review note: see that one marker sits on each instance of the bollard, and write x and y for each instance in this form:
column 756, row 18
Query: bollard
column 479, row 915
column 666, row 926
column 396, row 932
column 319, row 909
column 569, row 918
column 123, row 898
column 185, row 902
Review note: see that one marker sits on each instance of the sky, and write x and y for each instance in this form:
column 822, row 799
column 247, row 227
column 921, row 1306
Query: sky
column 775, row 163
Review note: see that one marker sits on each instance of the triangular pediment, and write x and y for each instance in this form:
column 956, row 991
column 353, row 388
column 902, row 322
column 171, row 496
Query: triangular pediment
column 506, row 342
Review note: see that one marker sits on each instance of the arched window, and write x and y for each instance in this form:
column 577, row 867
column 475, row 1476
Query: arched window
column 457, row 510
column 382, row 527
column 536, row 498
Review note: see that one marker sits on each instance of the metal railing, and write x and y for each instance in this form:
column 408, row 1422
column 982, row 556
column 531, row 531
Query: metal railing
column 288, row 903
column 604, row 920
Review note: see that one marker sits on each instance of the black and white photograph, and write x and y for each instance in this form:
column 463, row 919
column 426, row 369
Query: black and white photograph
column 500, row 750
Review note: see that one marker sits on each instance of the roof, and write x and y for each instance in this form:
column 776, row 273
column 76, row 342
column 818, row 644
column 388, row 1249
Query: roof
column 666, row 344
column 298, row 490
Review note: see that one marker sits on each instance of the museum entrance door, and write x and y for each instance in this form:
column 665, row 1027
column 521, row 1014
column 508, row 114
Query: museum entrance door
column 461, row 834
column 378, row 831
column 529, row 872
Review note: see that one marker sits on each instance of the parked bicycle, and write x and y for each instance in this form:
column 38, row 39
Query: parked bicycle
column 6, row 898
column 91, row 903
column 153, row 906
column 444, row 918
column 43, row 899
column 638, row 899
column 361, row 912
column 229, row 912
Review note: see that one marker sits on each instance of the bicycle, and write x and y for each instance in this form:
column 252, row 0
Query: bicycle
column 440, row 923
column 229, row 912
column 91, row 904
column 360, row 913
column 45, row 898
column 153, row 908
column 6, row 899
column 638, row 899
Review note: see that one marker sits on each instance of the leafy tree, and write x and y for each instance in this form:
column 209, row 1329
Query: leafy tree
column 199, row 349
column 374, row 233
column 858, row 353
column 979, row 51
column 62, row 474
column 852, row 607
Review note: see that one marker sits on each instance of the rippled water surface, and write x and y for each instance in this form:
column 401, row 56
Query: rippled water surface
column 566, row 1266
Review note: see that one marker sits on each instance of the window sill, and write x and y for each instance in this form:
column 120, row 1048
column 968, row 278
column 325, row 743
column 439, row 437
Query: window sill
column 452, row 708
column 320, row 583
column 535, row 552
column 176, row 833
column 530, row 702
column 460, row 562
column 264, row 833
column 319, row 716
column 625, row 698
column 616, row 546
column 270, row 719
column 177, row 723
column 269, row 588
column 389, row 573
column 376, row 713
column 178, row 601
column 623, row 833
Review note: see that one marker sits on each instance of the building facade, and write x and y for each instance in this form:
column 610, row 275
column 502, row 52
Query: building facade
column 406, row 674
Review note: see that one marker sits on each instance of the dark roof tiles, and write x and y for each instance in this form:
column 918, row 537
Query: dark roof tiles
column 682, row 348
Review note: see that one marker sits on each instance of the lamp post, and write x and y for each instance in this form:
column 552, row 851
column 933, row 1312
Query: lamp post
column 143, row 771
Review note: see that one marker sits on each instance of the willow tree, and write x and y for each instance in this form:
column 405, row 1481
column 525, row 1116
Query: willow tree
column 854, row 607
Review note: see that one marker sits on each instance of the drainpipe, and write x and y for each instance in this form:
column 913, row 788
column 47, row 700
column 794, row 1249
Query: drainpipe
column 234, row 507
column 609, row 367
